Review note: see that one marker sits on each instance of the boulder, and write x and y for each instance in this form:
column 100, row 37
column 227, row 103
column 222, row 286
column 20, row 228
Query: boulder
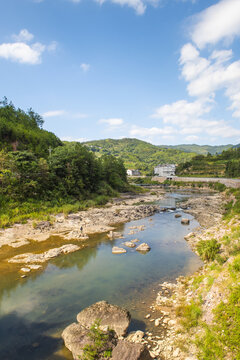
column 76, row 337
column 129, row 244
column 185, row 221
column 130, row 351
column 118, row 250
column 178, row 215
column 110, row 316
column 143, row 247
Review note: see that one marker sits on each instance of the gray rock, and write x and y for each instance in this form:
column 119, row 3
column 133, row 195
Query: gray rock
column 118, row 250
column 130, row 351
column 111, row 316
column 76, row 337
column 143, row 247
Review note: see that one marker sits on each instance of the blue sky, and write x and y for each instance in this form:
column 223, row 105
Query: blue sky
column 164, row 71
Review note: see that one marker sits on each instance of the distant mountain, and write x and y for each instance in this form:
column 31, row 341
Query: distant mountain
column 200, row 149
column 138, row 154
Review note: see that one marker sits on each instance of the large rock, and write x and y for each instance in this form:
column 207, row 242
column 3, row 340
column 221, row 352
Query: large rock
column 129, row 244
column 76, row 337
column 130, row 351
column 110, row 316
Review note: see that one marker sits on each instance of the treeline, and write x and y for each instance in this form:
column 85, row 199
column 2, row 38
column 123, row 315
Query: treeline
column 70, row 172
column 32, row 179
column 20, row 130
column 225, row 164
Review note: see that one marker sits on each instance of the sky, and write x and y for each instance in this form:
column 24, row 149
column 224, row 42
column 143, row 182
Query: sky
column 163, row 71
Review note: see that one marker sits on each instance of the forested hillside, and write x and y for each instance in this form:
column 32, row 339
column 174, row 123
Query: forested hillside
column 20, row 130
column 137, row 154
column 225, row 164
column 34, row 180
column 200, row 149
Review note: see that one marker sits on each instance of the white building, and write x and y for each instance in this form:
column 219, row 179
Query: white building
column 131, row 172
column 165, row 170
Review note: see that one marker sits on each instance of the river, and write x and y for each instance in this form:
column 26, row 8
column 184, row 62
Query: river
column 34, row 310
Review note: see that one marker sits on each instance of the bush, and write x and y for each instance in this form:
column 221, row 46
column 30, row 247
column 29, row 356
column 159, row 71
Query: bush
column 208, row 249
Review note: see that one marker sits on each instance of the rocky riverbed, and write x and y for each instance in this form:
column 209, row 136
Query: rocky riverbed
column 77, row 227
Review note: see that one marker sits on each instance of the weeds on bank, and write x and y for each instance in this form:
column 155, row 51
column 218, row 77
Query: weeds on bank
column 208, row 249
column 189, row 314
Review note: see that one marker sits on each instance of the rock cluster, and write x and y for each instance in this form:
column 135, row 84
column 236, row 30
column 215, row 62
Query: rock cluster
column 76, row 335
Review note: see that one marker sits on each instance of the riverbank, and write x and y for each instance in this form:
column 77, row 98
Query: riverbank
column 20, row 238
column 199, row 314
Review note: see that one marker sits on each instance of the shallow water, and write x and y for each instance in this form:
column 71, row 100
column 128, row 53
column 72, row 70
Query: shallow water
column 34, row 310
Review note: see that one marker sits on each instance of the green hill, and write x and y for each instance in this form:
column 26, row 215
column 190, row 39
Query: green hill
column 21, row 131
column 138, row 154
column 226, row 164
column 200, row 149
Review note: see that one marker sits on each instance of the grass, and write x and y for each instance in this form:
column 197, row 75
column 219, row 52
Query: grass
column 189, row 314
column 208, row 249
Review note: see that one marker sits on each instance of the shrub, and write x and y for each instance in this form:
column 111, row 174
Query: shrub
column 208, row 249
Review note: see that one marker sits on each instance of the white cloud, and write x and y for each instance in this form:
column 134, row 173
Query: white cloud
column 70, row 138
column 85, row 67
column 150, row 132
column 112, row 122
column 138, row 5
column 52, row 46
column 23, row 36
column 53, row 113
column 22, row 53
column 192, row 138
column 183, row 112
column 218, row 22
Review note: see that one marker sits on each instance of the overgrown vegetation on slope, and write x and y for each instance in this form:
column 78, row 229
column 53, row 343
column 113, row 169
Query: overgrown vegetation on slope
column 20, row 130
column 225, row 164
column 34, row 183
column 137, row 154
column 216, row 291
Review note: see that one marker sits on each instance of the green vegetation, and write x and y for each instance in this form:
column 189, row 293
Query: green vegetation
column 208, row 249
column 189, row 314
column 100, row 342
column 21, row 130
column 200, row 149
column 226, row 164
column 137, row 154
column 223, row 338
column 35, row 183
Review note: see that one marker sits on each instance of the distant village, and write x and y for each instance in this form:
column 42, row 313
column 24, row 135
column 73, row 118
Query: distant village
column 162, row 170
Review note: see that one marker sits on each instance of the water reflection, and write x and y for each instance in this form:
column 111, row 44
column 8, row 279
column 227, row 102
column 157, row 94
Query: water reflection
column 47, row 301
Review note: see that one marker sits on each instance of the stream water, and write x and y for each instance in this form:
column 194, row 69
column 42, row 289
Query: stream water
column 34, row 310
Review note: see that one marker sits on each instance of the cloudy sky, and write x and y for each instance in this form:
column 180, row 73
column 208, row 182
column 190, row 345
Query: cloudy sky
column 165, row 71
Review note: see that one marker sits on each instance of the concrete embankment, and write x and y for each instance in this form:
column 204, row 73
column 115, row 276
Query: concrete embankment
column 233, row 183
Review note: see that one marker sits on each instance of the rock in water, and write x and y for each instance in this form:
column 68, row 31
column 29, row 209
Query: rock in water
column 118, row 250
column 111, row 316
column 178, row 215
column 130, row 351
column 129, row 244
column 185, row 221
column 143, row 247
